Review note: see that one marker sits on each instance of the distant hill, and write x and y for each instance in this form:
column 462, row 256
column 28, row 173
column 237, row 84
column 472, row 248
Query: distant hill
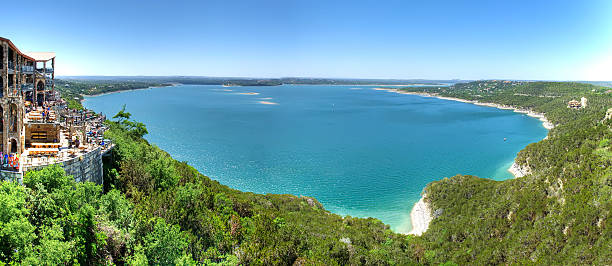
column 242, row 81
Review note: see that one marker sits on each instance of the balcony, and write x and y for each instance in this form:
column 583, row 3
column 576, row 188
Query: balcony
column 27, row 87
column 11, row 65
column 47, row 70
column 27, row 69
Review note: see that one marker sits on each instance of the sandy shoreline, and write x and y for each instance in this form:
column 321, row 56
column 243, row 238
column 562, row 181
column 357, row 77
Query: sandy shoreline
column 421, row 215
column 518, row 171
column 515, row 169
column 545, row 123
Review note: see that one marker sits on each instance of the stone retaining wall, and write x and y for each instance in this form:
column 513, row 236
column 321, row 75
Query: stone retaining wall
column 86, row 167
column 11, row 176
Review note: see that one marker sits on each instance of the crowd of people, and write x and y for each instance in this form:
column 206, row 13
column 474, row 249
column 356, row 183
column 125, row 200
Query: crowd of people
column 79, row 131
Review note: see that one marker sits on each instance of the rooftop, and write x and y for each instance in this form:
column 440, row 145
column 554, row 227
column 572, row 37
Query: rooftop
column 41, row 56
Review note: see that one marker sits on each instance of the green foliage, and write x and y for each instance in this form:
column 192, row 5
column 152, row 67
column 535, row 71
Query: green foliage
column 49, row 179
column 117, row 209
column 138, row 258
column 122, row 115
column 209, row 223
column 164, row 244
column 53, row 249
column 16, row 232
column 157, row 210
column 74, row 104
column 136, row 130
column 559, row 214
column 52, row 220
column 222, row 225
column 604, row 143
column 85, row 236
column 72, row 90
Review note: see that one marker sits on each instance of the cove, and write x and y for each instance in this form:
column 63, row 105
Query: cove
column 359, row 151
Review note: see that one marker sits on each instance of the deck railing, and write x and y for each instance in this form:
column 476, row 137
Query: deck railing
column 27, row 69
column 47, row 70
column 27, row 86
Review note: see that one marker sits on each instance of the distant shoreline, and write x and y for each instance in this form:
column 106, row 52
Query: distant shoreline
column 119, row 91
column 545, row 123
column 321, row 84
column 229, row 86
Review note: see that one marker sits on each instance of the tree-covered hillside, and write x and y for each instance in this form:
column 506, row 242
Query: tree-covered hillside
column 156, row 210
column 560, row 213
column 72, row 90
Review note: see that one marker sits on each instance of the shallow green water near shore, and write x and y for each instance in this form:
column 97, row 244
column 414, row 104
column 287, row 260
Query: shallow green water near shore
column 359, row 151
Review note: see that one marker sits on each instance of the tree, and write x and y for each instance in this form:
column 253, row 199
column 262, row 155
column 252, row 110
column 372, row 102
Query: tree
column 122, row 115
column 165, row 243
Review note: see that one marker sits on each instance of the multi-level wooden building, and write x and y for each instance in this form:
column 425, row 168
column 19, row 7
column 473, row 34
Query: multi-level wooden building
column 26, row 79
column 37, row 128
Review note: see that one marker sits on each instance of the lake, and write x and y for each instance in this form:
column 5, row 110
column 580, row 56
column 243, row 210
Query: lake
column 359, row 151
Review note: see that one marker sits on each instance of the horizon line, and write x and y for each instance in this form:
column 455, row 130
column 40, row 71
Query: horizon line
column 334, row 78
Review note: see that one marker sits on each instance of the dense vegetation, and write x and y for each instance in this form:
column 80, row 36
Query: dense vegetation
column 560, row 213
column 156, row 210
column 51, row 219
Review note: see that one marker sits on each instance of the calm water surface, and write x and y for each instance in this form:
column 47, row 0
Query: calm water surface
column 359, row 151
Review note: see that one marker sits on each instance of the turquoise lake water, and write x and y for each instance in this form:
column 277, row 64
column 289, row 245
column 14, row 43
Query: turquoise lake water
column 359, row 151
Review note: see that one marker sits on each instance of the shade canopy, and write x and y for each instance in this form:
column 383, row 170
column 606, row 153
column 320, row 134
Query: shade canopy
column 41, row 56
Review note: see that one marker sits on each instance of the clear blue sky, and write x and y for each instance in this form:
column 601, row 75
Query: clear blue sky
column 560, row 40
